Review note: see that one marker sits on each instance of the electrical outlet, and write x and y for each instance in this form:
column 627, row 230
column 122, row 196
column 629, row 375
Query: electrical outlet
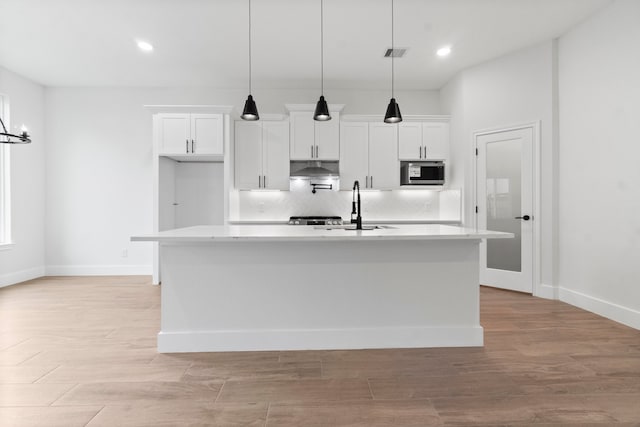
column 125, row 253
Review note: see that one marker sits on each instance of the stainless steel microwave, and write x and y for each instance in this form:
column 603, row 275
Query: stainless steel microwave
column 422, row 173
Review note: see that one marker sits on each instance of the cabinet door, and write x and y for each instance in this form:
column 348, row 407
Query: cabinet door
column 410, row 141
column 435, row 139
column 327, row 137
column 174, row 133
column 207, row 133
column 248, row 158
column 354, row 154
column 302, row 135
column 384, row 167
column 275, row 155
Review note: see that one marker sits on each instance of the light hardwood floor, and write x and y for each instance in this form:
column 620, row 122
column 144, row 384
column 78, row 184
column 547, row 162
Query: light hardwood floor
column 81, row 351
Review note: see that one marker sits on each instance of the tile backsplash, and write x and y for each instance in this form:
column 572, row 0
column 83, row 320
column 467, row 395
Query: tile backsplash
column 410, row 204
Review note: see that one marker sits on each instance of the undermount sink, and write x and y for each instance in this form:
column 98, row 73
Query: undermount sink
column 353, row 227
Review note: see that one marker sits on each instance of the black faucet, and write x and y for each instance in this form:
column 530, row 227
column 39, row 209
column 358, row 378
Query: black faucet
column 356, row 207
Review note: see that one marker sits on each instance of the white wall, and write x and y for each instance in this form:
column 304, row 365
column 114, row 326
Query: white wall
column 511, row 90
column 25, row 260
column 599, row 82
column 99, row 169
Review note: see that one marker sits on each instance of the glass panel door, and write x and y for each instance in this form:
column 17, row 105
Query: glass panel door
column 503, row 181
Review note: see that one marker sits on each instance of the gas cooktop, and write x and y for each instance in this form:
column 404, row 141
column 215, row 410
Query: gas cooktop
column 315, row 220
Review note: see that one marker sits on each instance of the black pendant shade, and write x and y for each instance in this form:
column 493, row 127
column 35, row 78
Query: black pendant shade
column 393, row 112
column 250, row 111
column 322, row 111
column 393, row 109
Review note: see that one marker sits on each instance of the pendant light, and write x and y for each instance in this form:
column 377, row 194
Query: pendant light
column 322, row 109
column 393, row 109
column 250, row 111
column 10, row 138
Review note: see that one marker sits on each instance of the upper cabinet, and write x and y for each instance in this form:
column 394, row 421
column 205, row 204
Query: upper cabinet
column 262, row 155
column 190, row 134
column 314, row 140
column 369, row 154
column 423, row 140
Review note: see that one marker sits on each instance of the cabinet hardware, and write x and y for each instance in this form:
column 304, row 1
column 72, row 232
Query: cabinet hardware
column 187, row 141
column 371, row 181
column 525, row 217
column 316, row 151
column 192, row 150
column 366, row 185
column 259, row 182
column 420, row 152
column 264, row 181
column 312, row 151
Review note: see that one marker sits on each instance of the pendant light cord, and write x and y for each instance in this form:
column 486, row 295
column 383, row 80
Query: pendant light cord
column 321, row 47
column 392, row 53
column 249, row 47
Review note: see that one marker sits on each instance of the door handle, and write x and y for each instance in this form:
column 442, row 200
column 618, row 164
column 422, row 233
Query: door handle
column 192, row 150
column 371, row 181
column 366, row 178
column 259, row 182
column 420, row 152
column 264, row 181
column 316, row 151
column 187, row 141
column 524, row 217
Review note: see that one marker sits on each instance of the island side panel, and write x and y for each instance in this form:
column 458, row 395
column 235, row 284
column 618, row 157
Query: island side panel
column 236, row 296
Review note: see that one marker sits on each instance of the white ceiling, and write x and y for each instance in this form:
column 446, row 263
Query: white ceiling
column 205, row 42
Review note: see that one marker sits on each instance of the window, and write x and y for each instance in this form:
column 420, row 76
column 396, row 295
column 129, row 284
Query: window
column 5, row 207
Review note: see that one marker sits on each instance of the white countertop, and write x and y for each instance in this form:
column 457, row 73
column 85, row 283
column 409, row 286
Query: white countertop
column 270, row 233
column 370, row 222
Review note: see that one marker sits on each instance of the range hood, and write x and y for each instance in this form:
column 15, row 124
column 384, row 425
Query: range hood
column 313, row 169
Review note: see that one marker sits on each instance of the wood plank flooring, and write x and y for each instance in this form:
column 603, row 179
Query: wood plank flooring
column 80, row 351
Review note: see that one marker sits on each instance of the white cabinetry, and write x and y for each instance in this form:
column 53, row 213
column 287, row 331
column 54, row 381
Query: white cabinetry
column 190, row 134
column 314, row 140
column 369, row 154
column 262, row 155
column 423, row 140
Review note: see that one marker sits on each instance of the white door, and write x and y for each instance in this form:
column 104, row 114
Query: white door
column 275, row 155
column 327, row 137
column 206, row 133
column 354, row 154
column 410, row 141
column 248, row 158
column 384, row 169
column 302, row 135
column 435, row 141
column 504, row 197
column 175, row 134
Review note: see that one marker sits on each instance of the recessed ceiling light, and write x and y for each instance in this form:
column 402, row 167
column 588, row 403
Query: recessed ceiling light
column 144, row 46
column 444, row 51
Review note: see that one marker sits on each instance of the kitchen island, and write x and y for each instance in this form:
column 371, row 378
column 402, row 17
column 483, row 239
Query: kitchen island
column 256, row 287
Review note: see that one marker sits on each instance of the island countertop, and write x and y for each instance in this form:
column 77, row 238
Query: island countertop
column 272, row 233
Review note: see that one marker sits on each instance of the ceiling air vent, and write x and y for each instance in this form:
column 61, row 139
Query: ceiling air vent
column 395, row 53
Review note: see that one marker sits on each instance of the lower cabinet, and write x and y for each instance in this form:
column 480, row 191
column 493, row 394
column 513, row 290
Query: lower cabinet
column 262, row 155
column 369, row 154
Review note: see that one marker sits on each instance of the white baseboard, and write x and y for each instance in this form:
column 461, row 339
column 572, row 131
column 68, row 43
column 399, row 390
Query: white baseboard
column 21, row 276
column 319, row 339
column 99, row 270
column 546, row 291
column 619, row 313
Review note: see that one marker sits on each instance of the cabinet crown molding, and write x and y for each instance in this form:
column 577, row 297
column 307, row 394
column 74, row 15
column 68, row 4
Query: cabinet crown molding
column 334, row 108
column 380, row 118
column 205, row 109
